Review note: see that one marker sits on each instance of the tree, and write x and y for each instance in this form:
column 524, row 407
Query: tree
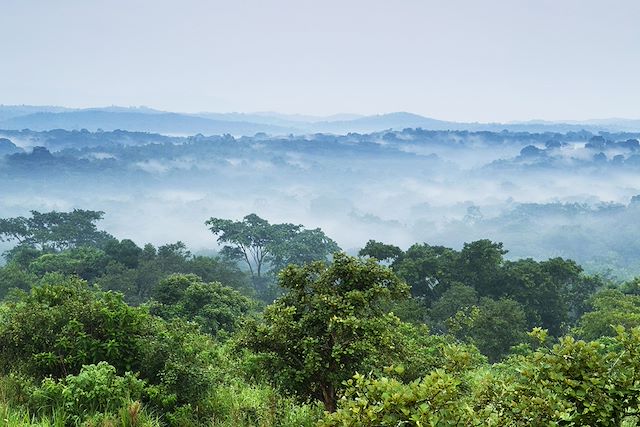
column 211, row 305
column 498, row 325
column 435, row 400
column 173, row 257
column 257, row 243
column 329, row 324
column 541, row 295
column 217, row 269
column 126, row 252
column 55, row 230
column 381, row 251
column 85, row 262
column 479, row 266
column 302, row 247
column 251, row 239
column 14, row 277
column 62, row 324
column 573, row 383
column 610, row 308
column 429, row 270
column 575, row 287
column 458, row 297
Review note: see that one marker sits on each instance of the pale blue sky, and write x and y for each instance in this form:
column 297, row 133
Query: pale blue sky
column 457, row 60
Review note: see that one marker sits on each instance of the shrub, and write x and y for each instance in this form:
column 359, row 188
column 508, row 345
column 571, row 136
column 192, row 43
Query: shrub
column 97, row 389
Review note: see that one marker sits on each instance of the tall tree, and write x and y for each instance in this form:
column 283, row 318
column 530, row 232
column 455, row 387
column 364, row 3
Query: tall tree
column 257, row 243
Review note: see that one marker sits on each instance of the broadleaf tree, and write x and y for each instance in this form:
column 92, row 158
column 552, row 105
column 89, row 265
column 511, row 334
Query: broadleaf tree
column 330, row 323
column 266, row 247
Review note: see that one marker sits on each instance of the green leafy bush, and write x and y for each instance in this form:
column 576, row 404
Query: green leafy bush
column 435, row 400
column 63, row 324
column 96, row 389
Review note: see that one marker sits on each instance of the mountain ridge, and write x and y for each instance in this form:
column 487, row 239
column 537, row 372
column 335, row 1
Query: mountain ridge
column 147, row 119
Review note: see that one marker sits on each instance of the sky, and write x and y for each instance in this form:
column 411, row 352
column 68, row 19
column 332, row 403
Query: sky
column 464, row 60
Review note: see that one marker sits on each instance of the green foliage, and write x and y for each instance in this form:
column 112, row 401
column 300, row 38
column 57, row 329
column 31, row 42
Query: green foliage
column 574, row 383
column 86, row 263
column 329, row 324
column 125, row 252
column 553, row 293
column 251, row 240
column 14, row 277
column 479, row 265
column 380, row 251
column 55, row 230
column 211, row 305
column 610, row 308
column 241, row 404
column 261, row 245
column 435, row 400
column 417, row 353
column 62, row 325
column 497, row 326
column 96, row 389
column 95, row 397
column 72, row 354
column 427, row 269
column 457, row 298
column 178, row 364
column 411, row 310
column 211, row 269
column 22, row 255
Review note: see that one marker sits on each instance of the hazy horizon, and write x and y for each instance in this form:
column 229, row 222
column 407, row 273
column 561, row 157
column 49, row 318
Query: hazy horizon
column 336, row 115
column 495, row 61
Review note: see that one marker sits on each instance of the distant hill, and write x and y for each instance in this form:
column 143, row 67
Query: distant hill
column 8, row 147
column 158, row 122
column 143, row 119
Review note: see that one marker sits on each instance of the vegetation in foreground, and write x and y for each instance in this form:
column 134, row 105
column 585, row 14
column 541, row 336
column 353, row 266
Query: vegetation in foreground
column 283, row 329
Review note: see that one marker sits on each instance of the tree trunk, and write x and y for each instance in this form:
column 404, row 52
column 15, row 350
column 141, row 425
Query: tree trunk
column 329, row 397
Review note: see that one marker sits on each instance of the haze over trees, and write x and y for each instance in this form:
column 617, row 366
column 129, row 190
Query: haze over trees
column 542, row 194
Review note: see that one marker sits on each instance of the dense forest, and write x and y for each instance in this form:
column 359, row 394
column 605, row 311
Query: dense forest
column 281, row 327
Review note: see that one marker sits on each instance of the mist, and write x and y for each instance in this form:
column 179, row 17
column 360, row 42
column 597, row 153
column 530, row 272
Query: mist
column 542, row 194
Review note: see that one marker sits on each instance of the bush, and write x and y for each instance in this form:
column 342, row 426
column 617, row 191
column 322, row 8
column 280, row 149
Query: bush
column 97, row 389
column 435, row 400
column 63, row 324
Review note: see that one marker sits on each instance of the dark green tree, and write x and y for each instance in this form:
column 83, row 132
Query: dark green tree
column 497, row 326
column 429, row 270
column 126, row 252
column 478, row 266
column 211, row 305
column 381, row 251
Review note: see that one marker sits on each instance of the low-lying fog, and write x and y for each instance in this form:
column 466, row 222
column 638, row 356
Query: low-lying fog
column 541, row 194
